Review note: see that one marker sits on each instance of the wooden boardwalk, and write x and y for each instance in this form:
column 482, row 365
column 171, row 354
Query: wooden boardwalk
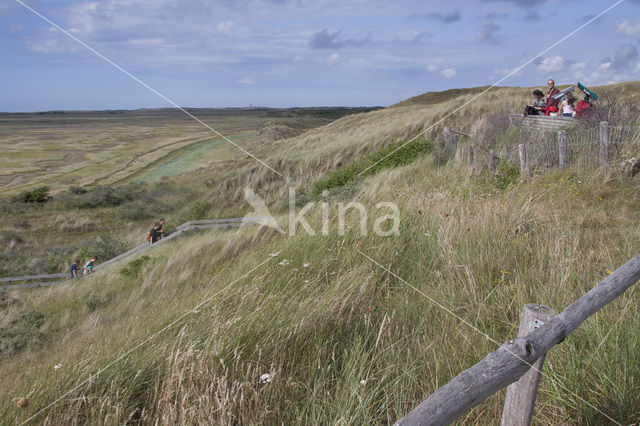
column 46, row 280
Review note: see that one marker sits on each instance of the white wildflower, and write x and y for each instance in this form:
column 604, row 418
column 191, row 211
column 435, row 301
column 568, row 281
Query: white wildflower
column 284, row 262
column 57, row 367
column 363, row 382
column 306, row 265
column 265, row 378
column 274, row 254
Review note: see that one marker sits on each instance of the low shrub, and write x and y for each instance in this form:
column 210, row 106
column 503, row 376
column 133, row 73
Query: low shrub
column 338, row 178
column 104, row 247
column 77, row 190
column 105, row 196
column 393, row 155
column 38, row 195
column 9, row 238
column 33, row 319
column 134, row 211
column 507, row 174
column 16, row 339
column 134, row 267
column 92, row 302
column 198, row 210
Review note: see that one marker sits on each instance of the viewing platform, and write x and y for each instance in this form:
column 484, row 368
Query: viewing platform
column 542, row 122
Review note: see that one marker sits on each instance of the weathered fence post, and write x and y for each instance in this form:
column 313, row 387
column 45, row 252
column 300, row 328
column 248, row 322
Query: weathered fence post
column 450, row 145
column 446, row 137
column 522, row 152
column 604, row 143
column 521, row 395
column 492, row 161
column 562, row 148
column 470, row 155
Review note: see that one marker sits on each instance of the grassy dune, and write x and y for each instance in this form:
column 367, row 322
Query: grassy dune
column 184, row 335
column 322, row 329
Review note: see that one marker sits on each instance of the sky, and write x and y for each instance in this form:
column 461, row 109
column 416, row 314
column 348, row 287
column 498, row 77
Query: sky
column 285, row 53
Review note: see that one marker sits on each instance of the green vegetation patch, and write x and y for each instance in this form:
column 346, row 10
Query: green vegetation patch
column 22, row 333
column 134, row 267
column 38, row 195
column 393, row 155
column 506, row 176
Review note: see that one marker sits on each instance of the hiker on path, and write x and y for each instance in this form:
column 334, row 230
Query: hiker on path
column 154, row 235
column 88, row 267
column 75, row 268
column 160, row 231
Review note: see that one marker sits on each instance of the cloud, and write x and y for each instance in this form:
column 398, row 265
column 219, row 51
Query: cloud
column 625, row 58
column 447, row 18
column 333, row 59
column 431, row 68
column 551, row 64
column 626, row 27
column 417, row 38
column 520, row 3
column 488, row 32
column 327, row 40
column 532, row 16
column 245, row 81
column 448, row 72
column 579, row 66
column 225, row 26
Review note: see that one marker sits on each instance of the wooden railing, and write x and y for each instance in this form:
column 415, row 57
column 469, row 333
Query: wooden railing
column 597, row 146
column 516, row 357
column 45, row 280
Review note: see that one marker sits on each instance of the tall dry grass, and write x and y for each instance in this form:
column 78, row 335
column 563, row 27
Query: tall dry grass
column 343, row 340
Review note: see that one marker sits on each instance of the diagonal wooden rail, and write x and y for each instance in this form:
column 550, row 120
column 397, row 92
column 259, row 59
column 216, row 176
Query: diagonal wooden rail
column 194, row 225
column 515, row 357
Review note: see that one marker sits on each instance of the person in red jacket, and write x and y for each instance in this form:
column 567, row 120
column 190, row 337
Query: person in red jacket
column 552, row 91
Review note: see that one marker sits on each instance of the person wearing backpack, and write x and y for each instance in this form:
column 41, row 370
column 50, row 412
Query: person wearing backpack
column 153, row 235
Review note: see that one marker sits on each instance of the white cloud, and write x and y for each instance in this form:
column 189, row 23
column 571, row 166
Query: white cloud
column 333, row 59
column 245, row 81
column 551, row 64
column 626, row 27
column 432, row 68
column 225, row 26
column 448, row 72
column 579, row 70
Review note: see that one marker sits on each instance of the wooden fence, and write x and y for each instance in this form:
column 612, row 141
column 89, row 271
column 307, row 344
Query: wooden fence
column 45, row 280
column 516, row 357
column 588, row 149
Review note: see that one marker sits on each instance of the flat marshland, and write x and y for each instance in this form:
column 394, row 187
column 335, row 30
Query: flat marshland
column 345, row 325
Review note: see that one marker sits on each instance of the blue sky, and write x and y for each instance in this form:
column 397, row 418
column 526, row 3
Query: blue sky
column 301, row 53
